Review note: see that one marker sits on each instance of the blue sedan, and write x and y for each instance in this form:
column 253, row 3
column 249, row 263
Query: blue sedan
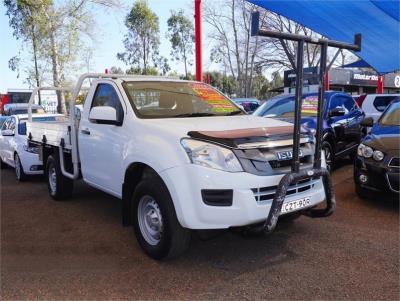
column 342, row 129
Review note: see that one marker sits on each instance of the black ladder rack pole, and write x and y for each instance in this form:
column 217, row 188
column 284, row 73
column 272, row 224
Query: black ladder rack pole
column 297, row 105
column 321, row 100
column 301, row 40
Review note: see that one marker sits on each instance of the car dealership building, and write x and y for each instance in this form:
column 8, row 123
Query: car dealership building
column 350, row 80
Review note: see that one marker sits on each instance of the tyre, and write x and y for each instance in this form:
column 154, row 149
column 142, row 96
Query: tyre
column 155, row 223
column 361, row 192
column 60, row 187
column 329, row 155
column 19, row 170
column 352, row 156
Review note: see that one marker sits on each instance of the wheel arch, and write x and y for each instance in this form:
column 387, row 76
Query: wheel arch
column 328, row 137
column 134, row 173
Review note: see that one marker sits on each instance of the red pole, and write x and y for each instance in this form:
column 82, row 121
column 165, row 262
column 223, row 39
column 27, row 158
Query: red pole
column 327, row 80
column 197, row 27
column 379, row 86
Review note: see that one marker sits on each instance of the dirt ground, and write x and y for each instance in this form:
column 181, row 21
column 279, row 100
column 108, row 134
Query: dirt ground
column 78, row 249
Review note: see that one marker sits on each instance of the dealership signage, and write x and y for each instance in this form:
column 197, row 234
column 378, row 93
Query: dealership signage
column 361, row 76
column 343, row 77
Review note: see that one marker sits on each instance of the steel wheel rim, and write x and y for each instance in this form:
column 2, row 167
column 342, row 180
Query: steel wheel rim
column 150, row 220
column 328, row 157
column 17, row 167
column 52, row 179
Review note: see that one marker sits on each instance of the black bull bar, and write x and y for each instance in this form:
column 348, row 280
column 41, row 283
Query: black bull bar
column 317, row 171
column 289, row 179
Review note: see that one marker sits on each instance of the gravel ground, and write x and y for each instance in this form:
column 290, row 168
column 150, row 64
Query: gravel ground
column 78, row 250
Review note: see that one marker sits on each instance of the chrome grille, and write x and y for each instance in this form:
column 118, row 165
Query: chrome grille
column 262, row 194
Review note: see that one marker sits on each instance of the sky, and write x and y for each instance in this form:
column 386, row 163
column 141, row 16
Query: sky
column 109, row 36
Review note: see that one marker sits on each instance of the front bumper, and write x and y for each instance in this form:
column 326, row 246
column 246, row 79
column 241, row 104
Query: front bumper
column 30, row 163
column 185, row 184
column 380, row 177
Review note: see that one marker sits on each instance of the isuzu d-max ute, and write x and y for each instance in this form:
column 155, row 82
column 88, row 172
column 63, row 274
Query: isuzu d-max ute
column 179, row 154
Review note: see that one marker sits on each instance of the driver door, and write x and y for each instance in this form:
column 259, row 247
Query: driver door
column 101, row 145
column 338, row 123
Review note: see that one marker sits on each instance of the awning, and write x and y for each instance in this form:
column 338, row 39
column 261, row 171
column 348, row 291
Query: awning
column 357, row 64
column 377, row 21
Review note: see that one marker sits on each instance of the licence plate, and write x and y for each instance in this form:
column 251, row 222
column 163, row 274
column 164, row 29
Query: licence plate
column 295, row 205
column 286, row 155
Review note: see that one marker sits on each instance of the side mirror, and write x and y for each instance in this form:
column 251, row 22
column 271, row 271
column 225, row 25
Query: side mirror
column 368, row 122
column 7, row 133
column 337, row 112
column 104, row 115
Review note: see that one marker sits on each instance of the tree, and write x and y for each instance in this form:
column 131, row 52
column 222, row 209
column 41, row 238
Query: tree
column 181, row 36
column 233, row 46
column 56, row 31
column 142, row 40
column 116, row 70
column 28, row 25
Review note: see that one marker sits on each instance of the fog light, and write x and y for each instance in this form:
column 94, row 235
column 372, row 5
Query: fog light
column 363, row 178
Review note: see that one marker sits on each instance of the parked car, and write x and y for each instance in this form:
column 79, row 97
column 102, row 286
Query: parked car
column 21, row 108
column 14, row 149
column 180, row 156
column 2, row 120
column 342, row 130
column 374, row 104
column 377, row 165
column 248, row 104
column 355, row 97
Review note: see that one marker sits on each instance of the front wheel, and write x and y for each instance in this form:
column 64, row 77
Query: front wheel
column 329, row 155
column 19, row 170
column 60, row 187
column 155, row 223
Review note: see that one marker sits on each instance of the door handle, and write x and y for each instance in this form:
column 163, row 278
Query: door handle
column 85, row 132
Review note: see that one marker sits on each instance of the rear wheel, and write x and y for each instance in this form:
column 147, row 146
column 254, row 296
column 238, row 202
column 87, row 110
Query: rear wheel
column 60, row 187
column 329, row 155
column 19, row 170
column 155, row 223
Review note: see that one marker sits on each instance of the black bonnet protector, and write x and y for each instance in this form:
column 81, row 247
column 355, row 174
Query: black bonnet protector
column 236, row 138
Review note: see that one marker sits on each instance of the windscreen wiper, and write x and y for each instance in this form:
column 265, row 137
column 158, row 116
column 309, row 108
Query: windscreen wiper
column 194, row 115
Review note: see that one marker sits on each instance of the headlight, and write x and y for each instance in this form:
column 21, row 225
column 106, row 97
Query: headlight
column 211, row 155
column 29, row 149
column 378, row 155
column 368, row 152
column 365, row 151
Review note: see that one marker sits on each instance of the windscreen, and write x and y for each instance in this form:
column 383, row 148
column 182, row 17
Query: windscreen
column 392, row 115
column 158, row 99
column 284, row 107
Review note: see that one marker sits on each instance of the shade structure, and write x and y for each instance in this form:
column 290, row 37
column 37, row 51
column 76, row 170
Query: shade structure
column 357, row 64
column 377, row 21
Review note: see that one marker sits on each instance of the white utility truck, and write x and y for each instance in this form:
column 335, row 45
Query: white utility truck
column 179, row 154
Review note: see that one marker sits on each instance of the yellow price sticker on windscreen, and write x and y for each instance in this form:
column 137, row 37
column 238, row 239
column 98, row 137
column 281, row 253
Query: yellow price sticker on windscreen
column 310, row 105
column 219, row 103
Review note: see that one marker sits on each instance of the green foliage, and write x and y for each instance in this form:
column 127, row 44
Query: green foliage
column 225, row 83
column 142, row 40
column 181, row 35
